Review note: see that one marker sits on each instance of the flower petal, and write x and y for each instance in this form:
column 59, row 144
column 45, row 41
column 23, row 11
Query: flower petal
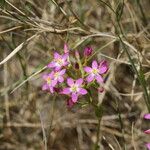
column 60, row 79
column 70, row 81
column 62, row 72
column 51, row 89
column 65, row 56
column 147, row 116
column 103, row 67
column 99, row 78
column 45, row 87
column 74, row 97
column 88, row 69
column 79, row 81
column 94, row 64
column 83, row 91
column 45, row 76
column 148, row 146
column 66, row 63
column 90, row 78
column 66, row 49
column 51, row 65
column 147, row 131
column 56, row 55
column 53, row 83
column 57, row 68
column 66, row 91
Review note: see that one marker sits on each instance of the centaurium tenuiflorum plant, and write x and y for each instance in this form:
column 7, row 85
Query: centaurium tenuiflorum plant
column 72, row 75
column 64, row 79
column 147, row 116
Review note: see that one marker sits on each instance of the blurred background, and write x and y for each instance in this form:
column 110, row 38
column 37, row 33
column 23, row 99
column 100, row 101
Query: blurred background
column 30, row 31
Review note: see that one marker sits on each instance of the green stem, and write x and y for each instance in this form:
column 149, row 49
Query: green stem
column 99, row 113
column 97, row 147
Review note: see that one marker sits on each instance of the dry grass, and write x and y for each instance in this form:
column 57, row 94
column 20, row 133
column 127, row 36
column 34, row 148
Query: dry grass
column 29, row 32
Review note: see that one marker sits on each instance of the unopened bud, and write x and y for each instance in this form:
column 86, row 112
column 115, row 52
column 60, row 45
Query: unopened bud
column 66, row 49
column 76, row 65
column 70, row 103
column 88, row 51
column 100, row 89
column 77, row 54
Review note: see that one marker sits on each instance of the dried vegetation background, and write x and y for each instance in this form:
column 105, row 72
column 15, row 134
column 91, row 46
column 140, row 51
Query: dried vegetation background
column 30, row 30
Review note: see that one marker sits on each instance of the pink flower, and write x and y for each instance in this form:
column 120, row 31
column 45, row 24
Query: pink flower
column 103, row 67
column 66, row 49
column 50, row 83
column 101, row 89
column 88, row 51
column 147, row 116
column 76, row 65
column 96, row 71
column 58, row 75
column 75, row 89
column 59, row 61
column 148, row 146
column 147, row 131
column 77, row 54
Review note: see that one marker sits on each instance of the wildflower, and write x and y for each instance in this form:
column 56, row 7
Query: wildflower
column 100, row 89
column 147, row 116
column 148, row 146
column 59, row 61
column 103, row 67
column 96, row 71
column 58, row 75
column 75, row 89
column 87, row 51
column 77, row 54
column 66, row 49
column 76, row 65
column 50, row 83
column 147, row 131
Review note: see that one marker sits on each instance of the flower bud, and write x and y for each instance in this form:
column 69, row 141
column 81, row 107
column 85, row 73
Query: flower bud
column 88, row 51
column 148, row 145
column 57, row 90
column 77, row 54
column 100, row 89
column 147, row 131
column 76, row 65
column 66, row 49
column 70, row 103
column 147, row 116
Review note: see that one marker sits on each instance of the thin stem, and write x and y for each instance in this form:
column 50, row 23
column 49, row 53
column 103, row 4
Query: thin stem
column 97, row 146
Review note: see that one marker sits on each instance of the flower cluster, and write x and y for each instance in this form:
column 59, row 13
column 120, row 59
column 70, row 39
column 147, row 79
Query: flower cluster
column 147, row 116
column 64, row 79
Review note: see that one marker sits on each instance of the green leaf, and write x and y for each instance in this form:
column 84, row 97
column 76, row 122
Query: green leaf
column 119, row 10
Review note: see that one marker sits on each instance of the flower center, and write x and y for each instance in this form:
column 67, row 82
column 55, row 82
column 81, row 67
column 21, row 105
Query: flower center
column 59, row 61
column 74, row 88
column 95, row 71
column 56, row 75
column 48, row 80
